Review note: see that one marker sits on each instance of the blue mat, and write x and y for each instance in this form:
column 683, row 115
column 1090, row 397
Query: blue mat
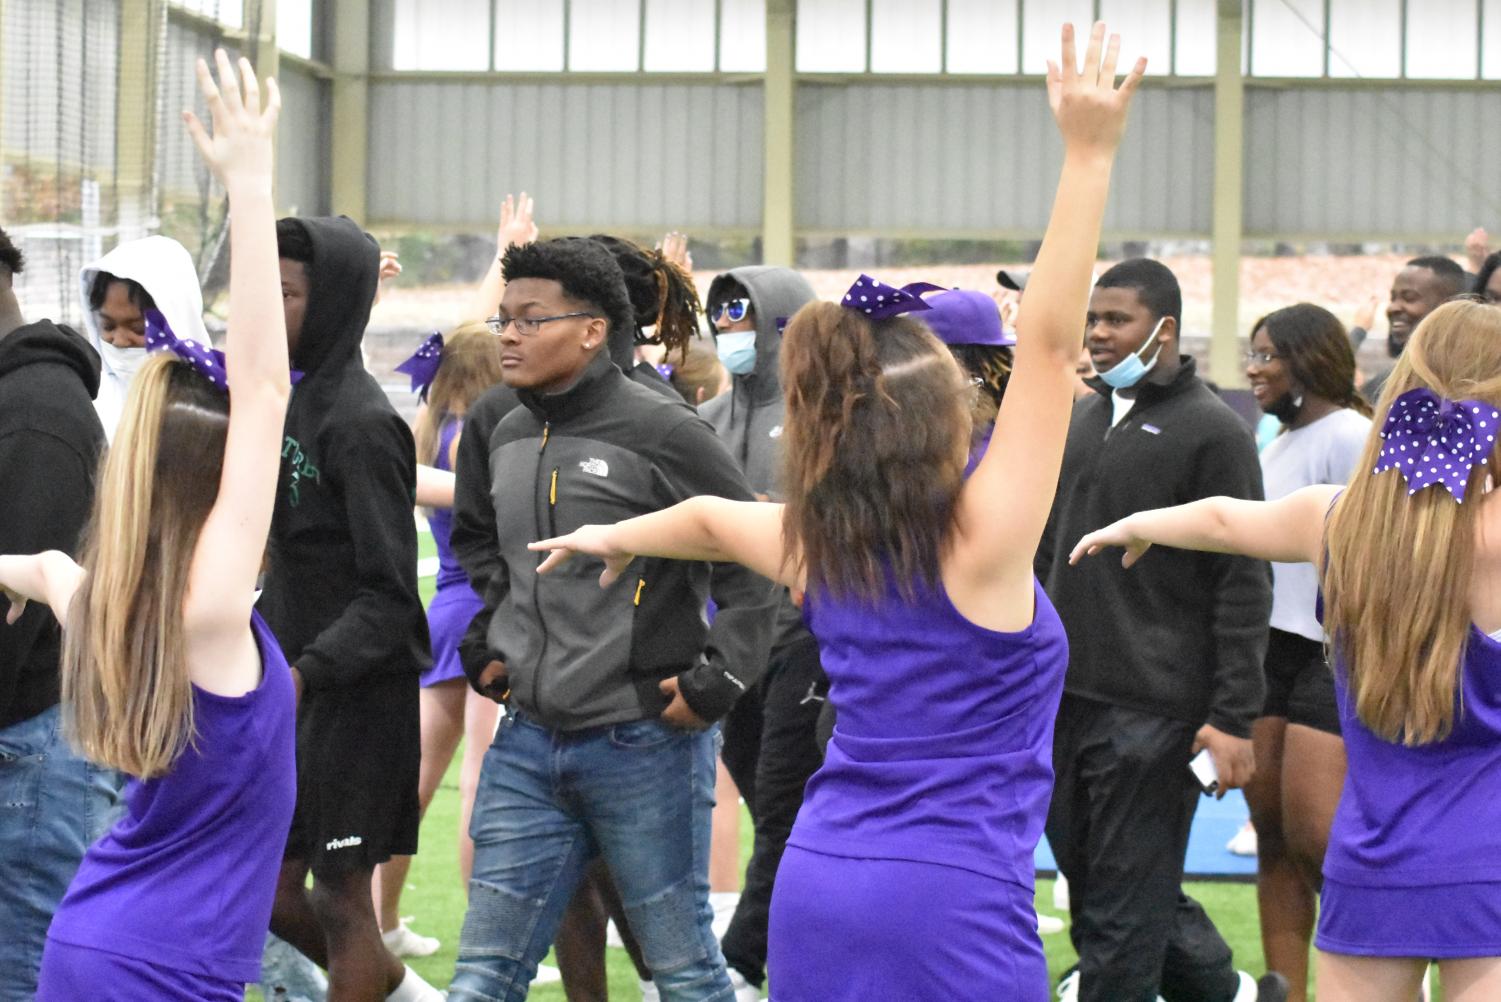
column 1215, row 823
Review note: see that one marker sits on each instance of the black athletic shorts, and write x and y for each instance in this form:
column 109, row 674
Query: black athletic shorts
column 359, row 748
column 1299, row 682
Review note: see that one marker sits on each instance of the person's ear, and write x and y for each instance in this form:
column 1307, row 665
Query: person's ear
column 595, row 333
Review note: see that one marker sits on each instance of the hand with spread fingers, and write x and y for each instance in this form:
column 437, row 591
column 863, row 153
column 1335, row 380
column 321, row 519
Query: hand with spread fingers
column 1089, row 107
column 240, row 149
column 517, row 227
column 591, row 540
column 674, row 248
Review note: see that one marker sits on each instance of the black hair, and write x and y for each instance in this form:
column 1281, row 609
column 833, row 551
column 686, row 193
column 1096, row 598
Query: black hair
column 586, row 271
column 662, row 294
column 1450, row 274
column 1486, row 271
column 723, row 289
column 1156, row 286
column 11, row 258
column 293, row 242
column 135, row 291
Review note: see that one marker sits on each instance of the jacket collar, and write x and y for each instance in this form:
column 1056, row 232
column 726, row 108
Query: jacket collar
column 1149, row 393
column 598, row 378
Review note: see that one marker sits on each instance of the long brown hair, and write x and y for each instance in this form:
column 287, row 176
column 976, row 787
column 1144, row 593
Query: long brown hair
column 127, row 699
column 1316, row 349
column 877, row 429
column 1397, row 572
column 470, row 366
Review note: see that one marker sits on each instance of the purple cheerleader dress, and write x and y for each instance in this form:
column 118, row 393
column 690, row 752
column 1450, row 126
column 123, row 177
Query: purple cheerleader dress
column 173, row 903
column 909, row 873
column 1414, row 861
column 455, row 603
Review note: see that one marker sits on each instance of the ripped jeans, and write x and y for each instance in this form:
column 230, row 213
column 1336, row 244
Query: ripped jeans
column 640, row 795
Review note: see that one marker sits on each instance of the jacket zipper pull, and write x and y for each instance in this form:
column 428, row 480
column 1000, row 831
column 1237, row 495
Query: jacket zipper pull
column 552, row 491
column 546, row 430
column 640, row 587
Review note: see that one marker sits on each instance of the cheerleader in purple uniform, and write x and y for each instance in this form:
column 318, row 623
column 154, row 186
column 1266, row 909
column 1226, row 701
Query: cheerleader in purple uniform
column 1409, row 558
column 168, row 674
column 909, row 872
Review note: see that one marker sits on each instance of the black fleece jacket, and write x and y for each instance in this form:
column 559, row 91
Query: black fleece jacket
column 578, row 655
column 341, row 595
column 50, row 439
column 1181, row 634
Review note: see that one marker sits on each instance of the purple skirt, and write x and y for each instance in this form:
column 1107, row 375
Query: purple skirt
column 70, row 973
column 1432, row 922
column 449, row 614
column 857, row 929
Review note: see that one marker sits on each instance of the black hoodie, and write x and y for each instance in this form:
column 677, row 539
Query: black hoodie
column 50, row 438
column 341, row 594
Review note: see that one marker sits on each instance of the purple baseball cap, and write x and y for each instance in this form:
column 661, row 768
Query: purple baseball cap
column 963, row 316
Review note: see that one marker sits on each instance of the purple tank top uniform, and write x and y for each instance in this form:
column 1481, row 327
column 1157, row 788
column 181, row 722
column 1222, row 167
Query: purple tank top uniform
column 455, row 603
column 186, row 877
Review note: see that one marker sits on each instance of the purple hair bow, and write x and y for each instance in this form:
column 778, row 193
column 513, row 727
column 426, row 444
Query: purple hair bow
column 877, row 300
column 424, row 363
column 1431, row 440
column 207, row 362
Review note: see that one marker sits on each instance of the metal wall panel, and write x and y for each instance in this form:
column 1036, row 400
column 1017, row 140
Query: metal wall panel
column 179, row 169
column 1371, row 162
column 60, row 61
column 982, row 158
column 641, row 156
column 302, row 142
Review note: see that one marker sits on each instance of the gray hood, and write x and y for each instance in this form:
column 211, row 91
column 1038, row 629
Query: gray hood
column 775, row 293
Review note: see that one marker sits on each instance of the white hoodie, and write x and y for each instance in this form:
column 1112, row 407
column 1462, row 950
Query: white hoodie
column 163, row 267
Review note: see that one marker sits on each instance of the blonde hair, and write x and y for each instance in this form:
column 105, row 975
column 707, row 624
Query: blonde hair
column 470, row 366
column 1397, row 570
column 127, row 699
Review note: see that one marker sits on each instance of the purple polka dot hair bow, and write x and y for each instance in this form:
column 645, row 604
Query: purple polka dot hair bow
column 207, row 362
column 1431, row 440
column 424, row 363
column 878, row 300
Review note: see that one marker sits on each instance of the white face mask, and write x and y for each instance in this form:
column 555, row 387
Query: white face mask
column 123, row 363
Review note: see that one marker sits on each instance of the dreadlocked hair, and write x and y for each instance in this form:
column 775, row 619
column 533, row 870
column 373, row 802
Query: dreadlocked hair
column 662, row 294
column 991, row 365
column 877, row 430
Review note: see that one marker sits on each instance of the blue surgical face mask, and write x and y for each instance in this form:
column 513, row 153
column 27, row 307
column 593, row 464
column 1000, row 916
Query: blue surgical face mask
column 1130, row 370
column 737, row 351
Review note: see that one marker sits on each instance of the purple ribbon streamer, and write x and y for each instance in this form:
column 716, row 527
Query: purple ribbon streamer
column 877, row 300
column 1432, row 440
column 424, row 363
column 207, row 362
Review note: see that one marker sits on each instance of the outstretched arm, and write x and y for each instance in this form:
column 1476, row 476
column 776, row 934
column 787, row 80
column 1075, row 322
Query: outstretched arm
column 701, row 528
column 50, row 578
column 1289, row 530
column 239, row 152
column 1004, row 505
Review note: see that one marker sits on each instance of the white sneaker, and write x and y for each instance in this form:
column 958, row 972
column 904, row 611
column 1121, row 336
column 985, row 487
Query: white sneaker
column 547, row 975
column 1048, row 925
column 1068, row 988
column 1244, row 842
column 724, row 904
column 403, row 942
column 414, row 989
column 744, row 990
column 649, row 991
column 1060, row 893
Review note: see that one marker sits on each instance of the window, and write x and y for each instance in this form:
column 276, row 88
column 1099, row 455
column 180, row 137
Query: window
column 1441, row 40
column 451, row 42
column 1041, row 24
column 742, row 36
column 831, row 36
column 1146, row 29
column 906, row 36
column 1197, row 45
column 1492, row 40
column 227, row 12
column 294, row 27
column 529, row 35
column 1287, row 38
column 604, row 35
column 1365, row 38
column 982, row 36
column 679, row 35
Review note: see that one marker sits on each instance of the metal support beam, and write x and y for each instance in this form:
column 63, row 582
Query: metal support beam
column 135, row 111
column 350, row 131
column 1229, row 193
column 778, row 226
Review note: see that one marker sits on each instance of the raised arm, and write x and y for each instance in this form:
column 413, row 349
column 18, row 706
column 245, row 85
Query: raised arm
column 1289, row 530
column 516, row 229
column 230, row 550
column 1005, row 503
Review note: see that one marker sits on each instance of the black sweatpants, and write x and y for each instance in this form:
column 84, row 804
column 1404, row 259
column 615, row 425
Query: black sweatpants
column 1122, row 805
column 771, row 769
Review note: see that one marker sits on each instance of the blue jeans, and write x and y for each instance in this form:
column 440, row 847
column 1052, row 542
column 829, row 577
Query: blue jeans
column 639, row 794
column 53, row 805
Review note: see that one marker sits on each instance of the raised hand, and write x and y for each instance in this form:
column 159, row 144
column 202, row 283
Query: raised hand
column 1089, row 107
column 240, row 148
column 1477, row 248
column 1116, row 534
column 390, row 269
column 674, row 248
column 517, row 228
column 592, row 540
column 1365, row 313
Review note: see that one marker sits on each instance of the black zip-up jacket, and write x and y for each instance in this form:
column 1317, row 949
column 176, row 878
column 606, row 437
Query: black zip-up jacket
column 580, row 656
column 341, row 593
column 50, row 439
column 1181, row 634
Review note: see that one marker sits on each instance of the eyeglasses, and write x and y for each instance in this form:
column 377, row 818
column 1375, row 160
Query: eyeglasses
column 527, row 326
column 735, row 309
column 1260, row 357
